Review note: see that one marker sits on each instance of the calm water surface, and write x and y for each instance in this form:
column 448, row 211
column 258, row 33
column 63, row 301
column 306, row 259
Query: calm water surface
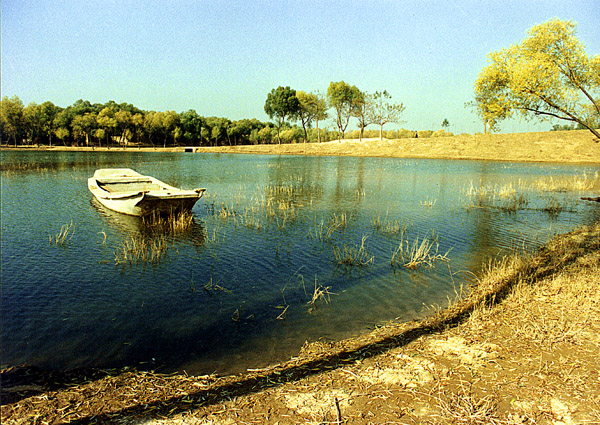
column 234, row 291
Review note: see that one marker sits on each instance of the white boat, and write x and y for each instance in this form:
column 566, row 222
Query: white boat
column 129, row 192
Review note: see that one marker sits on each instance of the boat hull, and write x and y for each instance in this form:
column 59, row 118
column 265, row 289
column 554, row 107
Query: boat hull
column 128, row 192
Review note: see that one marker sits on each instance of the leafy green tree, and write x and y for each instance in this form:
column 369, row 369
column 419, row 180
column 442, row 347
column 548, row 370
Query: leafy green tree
column 548, row 75
column 85, row 125
column 32, row 122
column 363, row 112
column 344, row 99
column 308, row 111
column 124, row 127
column 48, row 114
column 384, row 111
column 282, row 104
column 11, row 117
column 107, row 121
column 191, row 124
column 445, row 123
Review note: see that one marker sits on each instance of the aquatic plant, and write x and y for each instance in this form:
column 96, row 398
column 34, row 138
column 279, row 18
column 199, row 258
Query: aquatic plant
column 353, row 256
column 138, row 249
column 177, row 222
column 320, row 293
column 430, row 203
column 64, row 234
column 580, row 183
column 388, row 226
column 423, row 253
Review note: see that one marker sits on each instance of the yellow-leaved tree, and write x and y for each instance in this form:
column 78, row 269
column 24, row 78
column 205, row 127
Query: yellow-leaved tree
column 548, row 75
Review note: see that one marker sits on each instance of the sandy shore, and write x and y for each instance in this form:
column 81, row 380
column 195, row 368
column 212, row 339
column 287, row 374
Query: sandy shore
column 556, row 146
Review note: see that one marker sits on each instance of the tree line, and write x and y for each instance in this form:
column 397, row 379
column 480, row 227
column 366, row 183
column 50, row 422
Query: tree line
column 296, row 117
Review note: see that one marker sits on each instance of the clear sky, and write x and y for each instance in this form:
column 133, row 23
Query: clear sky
column 221, row 58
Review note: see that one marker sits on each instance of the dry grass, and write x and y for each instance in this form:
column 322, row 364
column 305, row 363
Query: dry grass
column 353, row 256
column 417, row 254
column 178, row 222
column 138, row 249
column 555, row 146
column 64, row 235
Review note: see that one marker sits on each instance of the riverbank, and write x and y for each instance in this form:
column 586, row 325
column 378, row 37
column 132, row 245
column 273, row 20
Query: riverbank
column 554, row 146
column 521, row 347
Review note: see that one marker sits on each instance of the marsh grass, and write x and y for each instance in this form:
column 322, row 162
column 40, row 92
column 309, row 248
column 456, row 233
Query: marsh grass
column 324, row 231
column 178, row 222
column 580, row 183
column 430, row 203
column 353, row 256
column 64, row 235
column 320, row 294
column 507, row 198
column 138, row 249
column 419, row 253
column 388, row 226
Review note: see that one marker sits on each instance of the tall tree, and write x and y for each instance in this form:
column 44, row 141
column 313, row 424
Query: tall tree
column 282, row 104
column 384, row 111
column 106, row 119
column 85, row 125
column 548, row 75
column 362, row 111
column 11, row 117
column 309, row 109
column 343, row 98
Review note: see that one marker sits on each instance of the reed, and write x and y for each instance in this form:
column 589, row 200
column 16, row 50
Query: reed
column 430, row 203
column 176, row 222
column 581, row 183
column 388, row 226
column 137, row 249
column 353, row 256
column 320, row 294
column 64, row 234
column 419, row 253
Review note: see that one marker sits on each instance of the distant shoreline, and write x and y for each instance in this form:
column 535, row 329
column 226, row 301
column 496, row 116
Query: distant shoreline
column 557, row 146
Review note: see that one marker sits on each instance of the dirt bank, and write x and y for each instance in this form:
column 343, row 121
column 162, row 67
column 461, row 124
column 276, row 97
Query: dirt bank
column 555, row 146
column 560, row 146
column 521, row 347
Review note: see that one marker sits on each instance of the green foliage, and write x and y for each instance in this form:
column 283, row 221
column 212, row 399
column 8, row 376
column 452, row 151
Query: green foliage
column 345, row 100
column 548, row 75
column 282, row 104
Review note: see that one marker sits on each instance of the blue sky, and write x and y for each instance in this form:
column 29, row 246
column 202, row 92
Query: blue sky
column 221, row 58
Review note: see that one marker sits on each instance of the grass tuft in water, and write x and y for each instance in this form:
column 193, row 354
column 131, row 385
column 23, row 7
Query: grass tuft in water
column 353, row 256
column 320, row 294
column 179, row 222
column 137, row 249
column 64, row 235
column 417, row 254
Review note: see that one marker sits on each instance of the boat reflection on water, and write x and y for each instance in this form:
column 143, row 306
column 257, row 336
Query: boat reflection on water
column 189, row 229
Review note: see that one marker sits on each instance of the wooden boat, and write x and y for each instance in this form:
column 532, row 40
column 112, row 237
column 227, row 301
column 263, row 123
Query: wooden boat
column 129, row 192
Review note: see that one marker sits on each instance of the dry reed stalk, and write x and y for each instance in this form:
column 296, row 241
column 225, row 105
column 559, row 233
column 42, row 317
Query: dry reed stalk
column 139, row 250
column 418, row 254
column 64, row 235
column 353, row 256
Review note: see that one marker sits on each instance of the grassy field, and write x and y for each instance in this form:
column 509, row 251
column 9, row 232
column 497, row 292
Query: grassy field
column 521, row 346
